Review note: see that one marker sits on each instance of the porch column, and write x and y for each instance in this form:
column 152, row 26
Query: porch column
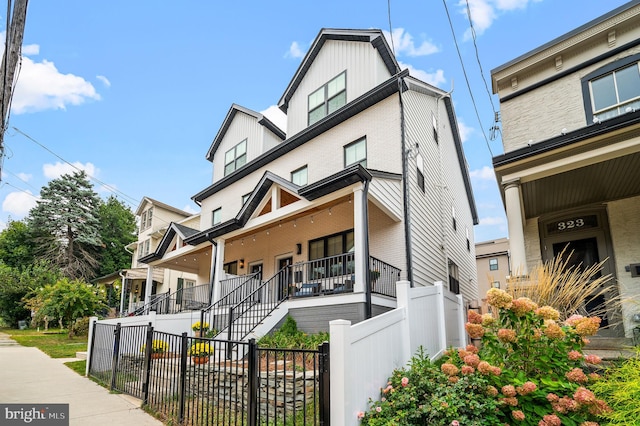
column 123, row 290
column 219, row 265
column 515, row 219
column 360, row 241
column 148, row 288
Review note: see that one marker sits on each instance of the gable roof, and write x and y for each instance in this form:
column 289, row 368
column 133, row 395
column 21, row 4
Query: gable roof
column 174, row 229
column 262, row 120
column 372, row 97
column 373, row 36
column 335, row 182
column 162, row 205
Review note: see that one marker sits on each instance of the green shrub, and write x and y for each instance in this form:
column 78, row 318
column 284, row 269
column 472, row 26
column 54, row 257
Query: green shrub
column 527, row 372
column 289, row 337
column 620, row 387
column 81, row 326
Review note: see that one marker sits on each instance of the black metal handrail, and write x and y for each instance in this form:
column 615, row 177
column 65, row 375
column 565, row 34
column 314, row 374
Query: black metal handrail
column 212, row 318
column 329, row 275
column 181, row 300
column 256, row 306
column 383, row 277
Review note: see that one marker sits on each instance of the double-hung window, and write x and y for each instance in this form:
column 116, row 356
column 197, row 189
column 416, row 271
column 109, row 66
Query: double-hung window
column 235, row 158
column 299, row 176
column 493, row 264
column 328, row 98
column 613, row 89
column 356, row 152
column 216, row 216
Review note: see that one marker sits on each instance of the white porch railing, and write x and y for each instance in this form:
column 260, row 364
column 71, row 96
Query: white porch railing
column 364, row 355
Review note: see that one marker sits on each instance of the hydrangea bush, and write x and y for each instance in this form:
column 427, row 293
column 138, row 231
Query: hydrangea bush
column 528, row 371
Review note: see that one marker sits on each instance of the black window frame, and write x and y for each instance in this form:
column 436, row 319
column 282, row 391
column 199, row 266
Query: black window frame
column 598, row 73
column 213, row 216
column 363, row 161
column 325, row 104
column 493, row 266
column 299, row 169
column 235, row 157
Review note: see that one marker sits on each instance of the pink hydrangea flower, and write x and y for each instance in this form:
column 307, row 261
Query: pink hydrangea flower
column 404, row 381
column 360, row 414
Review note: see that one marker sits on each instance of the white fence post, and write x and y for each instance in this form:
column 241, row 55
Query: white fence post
column 403, row 302
column 92, row 321
column 442, row 329
column 340, row 339
column 461, row 321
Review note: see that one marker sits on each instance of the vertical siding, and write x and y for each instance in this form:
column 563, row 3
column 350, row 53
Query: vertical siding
column 242, row 127
column 365, row 70
column 433, row 238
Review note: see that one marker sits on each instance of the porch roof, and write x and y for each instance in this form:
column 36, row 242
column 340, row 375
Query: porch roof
column 594, row 164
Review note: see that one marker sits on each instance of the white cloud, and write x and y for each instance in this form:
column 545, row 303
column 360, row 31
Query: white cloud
column 465, row 131
column 104, row 80
column 41, row 86
column 29, row 49
column 493, row 221
column 276, row 116
column 25, row 177
column 402, row 43
column 435, row 78
column 484, row 12
column 485, row 173
column 189, row 209
column 295, row 51
column 54, row 171
column 19, row 203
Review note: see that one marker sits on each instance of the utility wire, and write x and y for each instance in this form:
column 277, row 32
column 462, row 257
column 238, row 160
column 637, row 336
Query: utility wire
column 466, row 78
column 128, row 198
column 393, row 49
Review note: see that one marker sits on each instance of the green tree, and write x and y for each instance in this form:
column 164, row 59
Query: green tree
column 66, row 226
column 16, row 245
column 15, row 284
column 117, row 229
column 67, row 299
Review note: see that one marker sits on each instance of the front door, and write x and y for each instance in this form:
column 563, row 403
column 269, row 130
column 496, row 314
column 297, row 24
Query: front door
column 285, row 278
column 582, row 239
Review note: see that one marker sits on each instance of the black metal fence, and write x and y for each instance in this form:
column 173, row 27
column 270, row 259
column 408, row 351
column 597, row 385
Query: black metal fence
column 193, row 381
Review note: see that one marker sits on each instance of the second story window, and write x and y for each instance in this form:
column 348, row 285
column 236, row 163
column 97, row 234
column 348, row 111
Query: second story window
column 216, row 216
column 328, row 98
column 420, row 171
column 493, row 264
column 617, row 91
column 143, row 248
column 235, row 158
column 356, row 152
column 145, row 219
column 299, row 176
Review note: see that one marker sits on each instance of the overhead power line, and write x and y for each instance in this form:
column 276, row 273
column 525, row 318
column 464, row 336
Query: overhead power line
column 466, row 77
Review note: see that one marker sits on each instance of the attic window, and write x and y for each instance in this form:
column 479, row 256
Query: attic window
column 328, row 98
column 235, row 158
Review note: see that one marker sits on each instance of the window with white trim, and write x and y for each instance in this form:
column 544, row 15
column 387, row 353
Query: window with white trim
column 493, row 264
column 328, row 98
column 143, row 248
column 216, row 216
column 612, row 90
column 146, row 218
column 420, row 171
column 356, row 152
column 235, row 158
column 299, row 176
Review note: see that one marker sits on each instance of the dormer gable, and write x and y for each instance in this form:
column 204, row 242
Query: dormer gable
column 243, row 136
column 340, row 66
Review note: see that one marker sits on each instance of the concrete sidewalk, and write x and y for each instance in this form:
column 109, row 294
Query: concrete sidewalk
column 27, row 375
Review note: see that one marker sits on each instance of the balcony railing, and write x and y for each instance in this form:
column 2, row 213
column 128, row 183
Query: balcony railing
column 184, row 299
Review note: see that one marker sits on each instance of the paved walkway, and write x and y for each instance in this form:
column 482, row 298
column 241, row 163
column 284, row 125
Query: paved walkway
column 27, row 375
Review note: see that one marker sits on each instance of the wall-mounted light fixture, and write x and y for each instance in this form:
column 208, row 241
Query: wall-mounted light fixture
column 298, row 248
column 241, row 263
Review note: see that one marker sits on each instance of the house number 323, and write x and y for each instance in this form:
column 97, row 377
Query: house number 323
column 570, row 224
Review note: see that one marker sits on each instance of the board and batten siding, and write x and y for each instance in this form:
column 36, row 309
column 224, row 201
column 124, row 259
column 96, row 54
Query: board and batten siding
column 242, row 127
column 365, row 70
column 434, row 240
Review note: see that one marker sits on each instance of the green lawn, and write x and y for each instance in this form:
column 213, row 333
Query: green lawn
column 54, row 342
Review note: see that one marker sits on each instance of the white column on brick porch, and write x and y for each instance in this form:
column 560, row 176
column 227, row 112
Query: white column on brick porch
column 360, row 240
column 218, row 275
column 515, row 219
column 147, row 289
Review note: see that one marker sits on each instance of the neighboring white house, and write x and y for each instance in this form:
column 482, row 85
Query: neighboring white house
column 570, row 172
column 368, row 185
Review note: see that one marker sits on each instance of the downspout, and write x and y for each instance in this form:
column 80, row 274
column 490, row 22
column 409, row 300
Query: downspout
column 123, row 289
column 365, row 217
column 405, row 177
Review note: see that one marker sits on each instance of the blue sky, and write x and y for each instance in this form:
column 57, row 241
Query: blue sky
column 134, row 92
